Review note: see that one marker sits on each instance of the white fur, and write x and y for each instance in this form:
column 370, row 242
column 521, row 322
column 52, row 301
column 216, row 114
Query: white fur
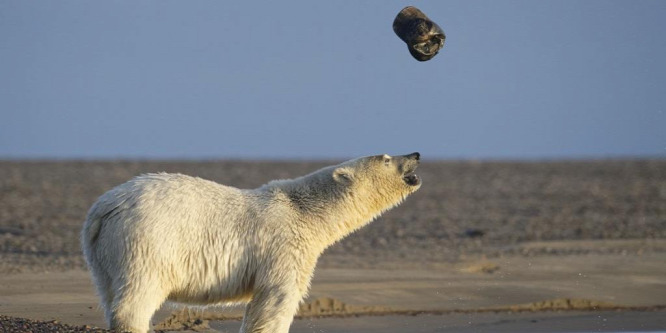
column 173, row 237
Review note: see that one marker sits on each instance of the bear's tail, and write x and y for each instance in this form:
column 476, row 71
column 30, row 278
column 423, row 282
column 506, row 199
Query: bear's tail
column 89, row 235
column 90, row 232
column 92, row 227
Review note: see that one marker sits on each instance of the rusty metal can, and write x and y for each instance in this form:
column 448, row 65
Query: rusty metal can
column 424, row 37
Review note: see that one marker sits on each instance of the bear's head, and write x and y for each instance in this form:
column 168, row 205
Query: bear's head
column 387, row 179
column 347, row 196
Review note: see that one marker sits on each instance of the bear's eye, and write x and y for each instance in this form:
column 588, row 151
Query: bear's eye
column 387, row 160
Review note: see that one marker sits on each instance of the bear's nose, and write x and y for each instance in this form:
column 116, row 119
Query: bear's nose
column 414, row 155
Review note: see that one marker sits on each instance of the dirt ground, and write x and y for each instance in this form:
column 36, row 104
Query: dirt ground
column 488, row 241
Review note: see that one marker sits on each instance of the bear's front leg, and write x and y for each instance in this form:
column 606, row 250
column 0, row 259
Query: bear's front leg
column 272, row 309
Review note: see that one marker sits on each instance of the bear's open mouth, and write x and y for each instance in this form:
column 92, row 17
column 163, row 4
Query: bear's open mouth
column 412, row 179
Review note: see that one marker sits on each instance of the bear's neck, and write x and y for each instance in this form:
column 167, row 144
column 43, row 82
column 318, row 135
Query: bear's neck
column 329, row 211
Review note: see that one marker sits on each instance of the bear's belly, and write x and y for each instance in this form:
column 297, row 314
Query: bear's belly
column 210, row 295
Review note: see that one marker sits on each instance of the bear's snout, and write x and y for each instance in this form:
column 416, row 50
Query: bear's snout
column 414, row 155
column 408, row 164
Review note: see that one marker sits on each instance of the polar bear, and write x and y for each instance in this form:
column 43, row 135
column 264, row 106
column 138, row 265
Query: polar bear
column 170, row 237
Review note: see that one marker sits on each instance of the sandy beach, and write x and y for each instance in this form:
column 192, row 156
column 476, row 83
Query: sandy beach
column 571, row 246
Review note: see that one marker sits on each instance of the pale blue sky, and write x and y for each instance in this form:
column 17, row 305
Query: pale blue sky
column 312, row 79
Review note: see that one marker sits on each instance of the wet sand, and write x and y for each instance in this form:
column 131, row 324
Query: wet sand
column 543, row 322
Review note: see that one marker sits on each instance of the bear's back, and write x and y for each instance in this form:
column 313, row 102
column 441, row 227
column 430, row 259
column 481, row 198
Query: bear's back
column 162, row 204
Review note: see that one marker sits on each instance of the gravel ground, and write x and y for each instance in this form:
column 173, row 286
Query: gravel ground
column 462, row 209
column 22, row 325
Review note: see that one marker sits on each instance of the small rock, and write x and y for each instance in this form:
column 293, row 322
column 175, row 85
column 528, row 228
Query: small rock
column 474, row 233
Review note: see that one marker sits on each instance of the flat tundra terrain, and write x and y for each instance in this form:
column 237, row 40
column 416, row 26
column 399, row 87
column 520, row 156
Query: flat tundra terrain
column 478, row 238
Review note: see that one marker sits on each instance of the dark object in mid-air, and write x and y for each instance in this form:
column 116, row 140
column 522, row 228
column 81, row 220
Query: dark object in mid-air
column 424, row 37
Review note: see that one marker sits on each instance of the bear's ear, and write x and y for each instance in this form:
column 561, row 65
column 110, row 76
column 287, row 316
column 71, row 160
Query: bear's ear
column 343, row 175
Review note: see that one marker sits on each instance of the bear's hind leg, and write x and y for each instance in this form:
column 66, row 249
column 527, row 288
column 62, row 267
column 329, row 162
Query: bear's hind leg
column 134, row 307
column 105, row 292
